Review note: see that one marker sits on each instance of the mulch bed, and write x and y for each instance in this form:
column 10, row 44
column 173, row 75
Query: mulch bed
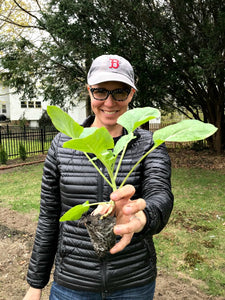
column 205, row 159
column 18, row 162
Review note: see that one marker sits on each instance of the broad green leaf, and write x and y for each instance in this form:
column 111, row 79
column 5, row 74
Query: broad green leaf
column 87, row 131
column 100, row 140
column 136, row 117
column 63, row 122
column 75, row 212
column 122, row 142
column 185, row 131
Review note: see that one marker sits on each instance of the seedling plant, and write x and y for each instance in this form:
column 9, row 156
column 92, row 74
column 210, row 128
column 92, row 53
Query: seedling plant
column 99, row 142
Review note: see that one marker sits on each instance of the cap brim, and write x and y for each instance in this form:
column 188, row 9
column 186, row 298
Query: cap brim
column 106, row 76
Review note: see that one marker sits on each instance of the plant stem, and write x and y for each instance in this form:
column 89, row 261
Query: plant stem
column 97, row 168
column 120, row 162
column 100, row 203
column 137, row 163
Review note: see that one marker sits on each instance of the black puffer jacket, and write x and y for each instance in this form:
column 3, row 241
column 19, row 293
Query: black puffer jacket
column 70, row 179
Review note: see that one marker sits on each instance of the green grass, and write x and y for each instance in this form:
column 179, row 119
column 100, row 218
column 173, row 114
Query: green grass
column 20, row 189
column 193, row 242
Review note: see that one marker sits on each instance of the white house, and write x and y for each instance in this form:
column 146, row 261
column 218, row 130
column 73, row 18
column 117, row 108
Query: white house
column 14, row 109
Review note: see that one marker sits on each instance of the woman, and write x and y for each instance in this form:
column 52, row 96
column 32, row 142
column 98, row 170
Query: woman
column 143, row 206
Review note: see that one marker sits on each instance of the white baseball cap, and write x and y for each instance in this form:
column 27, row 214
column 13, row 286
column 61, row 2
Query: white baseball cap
column 111, row 68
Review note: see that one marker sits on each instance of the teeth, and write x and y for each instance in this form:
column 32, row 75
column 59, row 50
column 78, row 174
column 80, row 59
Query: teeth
column 109, row 112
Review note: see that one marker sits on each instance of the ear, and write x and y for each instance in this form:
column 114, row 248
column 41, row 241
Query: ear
column 88, row 89
column 133, row 91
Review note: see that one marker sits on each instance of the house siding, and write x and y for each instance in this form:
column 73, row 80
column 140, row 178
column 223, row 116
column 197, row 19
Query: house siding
column 14, row 112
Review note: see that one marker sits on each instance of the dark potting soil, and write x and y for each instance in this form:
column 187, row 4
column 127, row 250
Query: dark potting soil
column 101, row 232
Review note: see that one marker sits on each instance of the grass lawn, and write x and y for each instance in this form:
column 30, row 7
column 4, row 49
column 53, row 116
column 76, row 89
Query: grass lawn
column 191, row 245
column 194, row 240
column 21, row 188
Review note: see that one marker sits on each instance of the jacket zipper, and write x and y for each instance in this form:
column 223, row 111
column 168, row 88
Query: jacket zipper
column 100, row 186
column 100, row 199
column 104, row 270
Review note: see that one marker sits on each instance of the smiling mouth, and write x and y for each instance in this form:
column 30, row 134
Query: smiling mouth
column 110, row 112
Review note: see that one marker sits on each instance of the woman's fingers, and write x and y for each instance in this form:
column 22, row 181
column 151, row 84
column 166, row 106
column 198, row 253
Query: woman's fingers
column 125, row 240
column 124, row 193
column 134, row 206
column 134, row 225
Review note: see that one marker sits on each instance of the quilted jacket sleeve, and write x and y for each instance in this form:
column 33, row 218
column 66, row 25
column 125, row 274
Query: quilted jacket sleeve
column 156, row 189
column 47, row 230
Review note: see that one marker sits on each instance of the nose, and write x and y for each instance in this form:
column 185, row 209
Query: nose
column 109, row 101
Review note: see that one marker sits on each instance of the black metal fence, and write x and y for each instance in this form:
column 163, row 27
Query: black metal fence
column 35, row 140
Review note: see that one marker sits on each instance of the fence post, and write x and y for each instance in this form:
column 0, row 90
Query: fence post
column 42, row 141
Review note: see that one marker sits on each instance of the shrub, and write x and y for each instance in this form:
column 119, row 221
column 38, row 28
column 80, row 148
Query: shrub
column 45, row 120
column 23, row 121
column 22, row 152
column 3, row 155
column 199, row 145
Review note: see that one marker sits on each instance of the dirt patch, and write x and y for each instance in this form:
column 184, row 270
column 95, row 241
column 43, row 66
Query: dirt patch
column 197, row 159
column 16, row 241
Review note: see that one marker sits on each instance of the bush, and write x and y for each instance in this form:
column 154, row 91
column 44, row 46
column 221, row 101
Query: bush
column 199, row 145
column 3, row 155
column 22, row 152
column 45, row 120
column 23, row 121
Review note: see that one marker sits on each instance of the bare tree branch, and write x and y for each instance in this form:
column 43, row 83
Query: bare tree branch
column 38, row 4
column 26, row 11
column 7, row 20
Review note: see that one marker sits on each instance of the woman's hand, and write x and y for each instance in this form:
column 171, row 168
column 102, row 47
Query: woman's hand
column 33, row 294
column 130, row 216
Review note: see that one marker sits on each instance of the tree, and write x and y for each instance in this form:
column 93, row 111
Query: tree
column 181, row 56
column 10, row 16
column 176, row 47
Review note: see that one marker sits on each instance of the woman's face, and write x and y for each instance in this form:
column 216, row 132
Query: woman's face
column 108, row 111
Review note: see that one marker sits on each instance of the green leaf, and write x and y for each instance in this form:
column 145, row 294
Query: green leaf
column 63, row 122
column 107, row 158
column 75, row 212
column 136, row 117
column 184, row 131
column 87, row 131
column 122, row 142
column 97, row 142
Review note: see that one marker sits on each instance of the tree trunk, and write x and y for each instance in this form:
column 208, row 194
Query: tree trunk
column 88, row 106
column 219, row 135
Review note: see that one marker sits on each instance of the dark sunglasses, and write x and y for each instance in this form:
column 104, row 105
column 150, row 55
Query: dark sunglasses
column 102, row 94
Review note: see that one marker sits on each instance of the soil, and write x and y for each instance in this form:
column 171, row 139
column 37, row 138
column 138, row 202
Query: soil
column 17, row 235
column 101, row 233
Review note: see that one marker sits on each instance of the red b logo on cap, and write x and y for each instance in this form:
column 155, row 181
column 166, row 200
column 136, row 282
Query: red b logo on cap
column 114, row 63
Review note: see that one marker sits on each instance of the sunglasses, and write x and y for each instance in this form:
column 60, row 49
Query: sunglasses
column 102, row 94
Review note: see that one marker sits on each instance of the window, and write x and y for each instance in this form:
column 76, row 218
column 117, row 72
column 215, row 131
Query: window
column 38, row 104
column 23, row 104
column 4, row 108
column 31, row 104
